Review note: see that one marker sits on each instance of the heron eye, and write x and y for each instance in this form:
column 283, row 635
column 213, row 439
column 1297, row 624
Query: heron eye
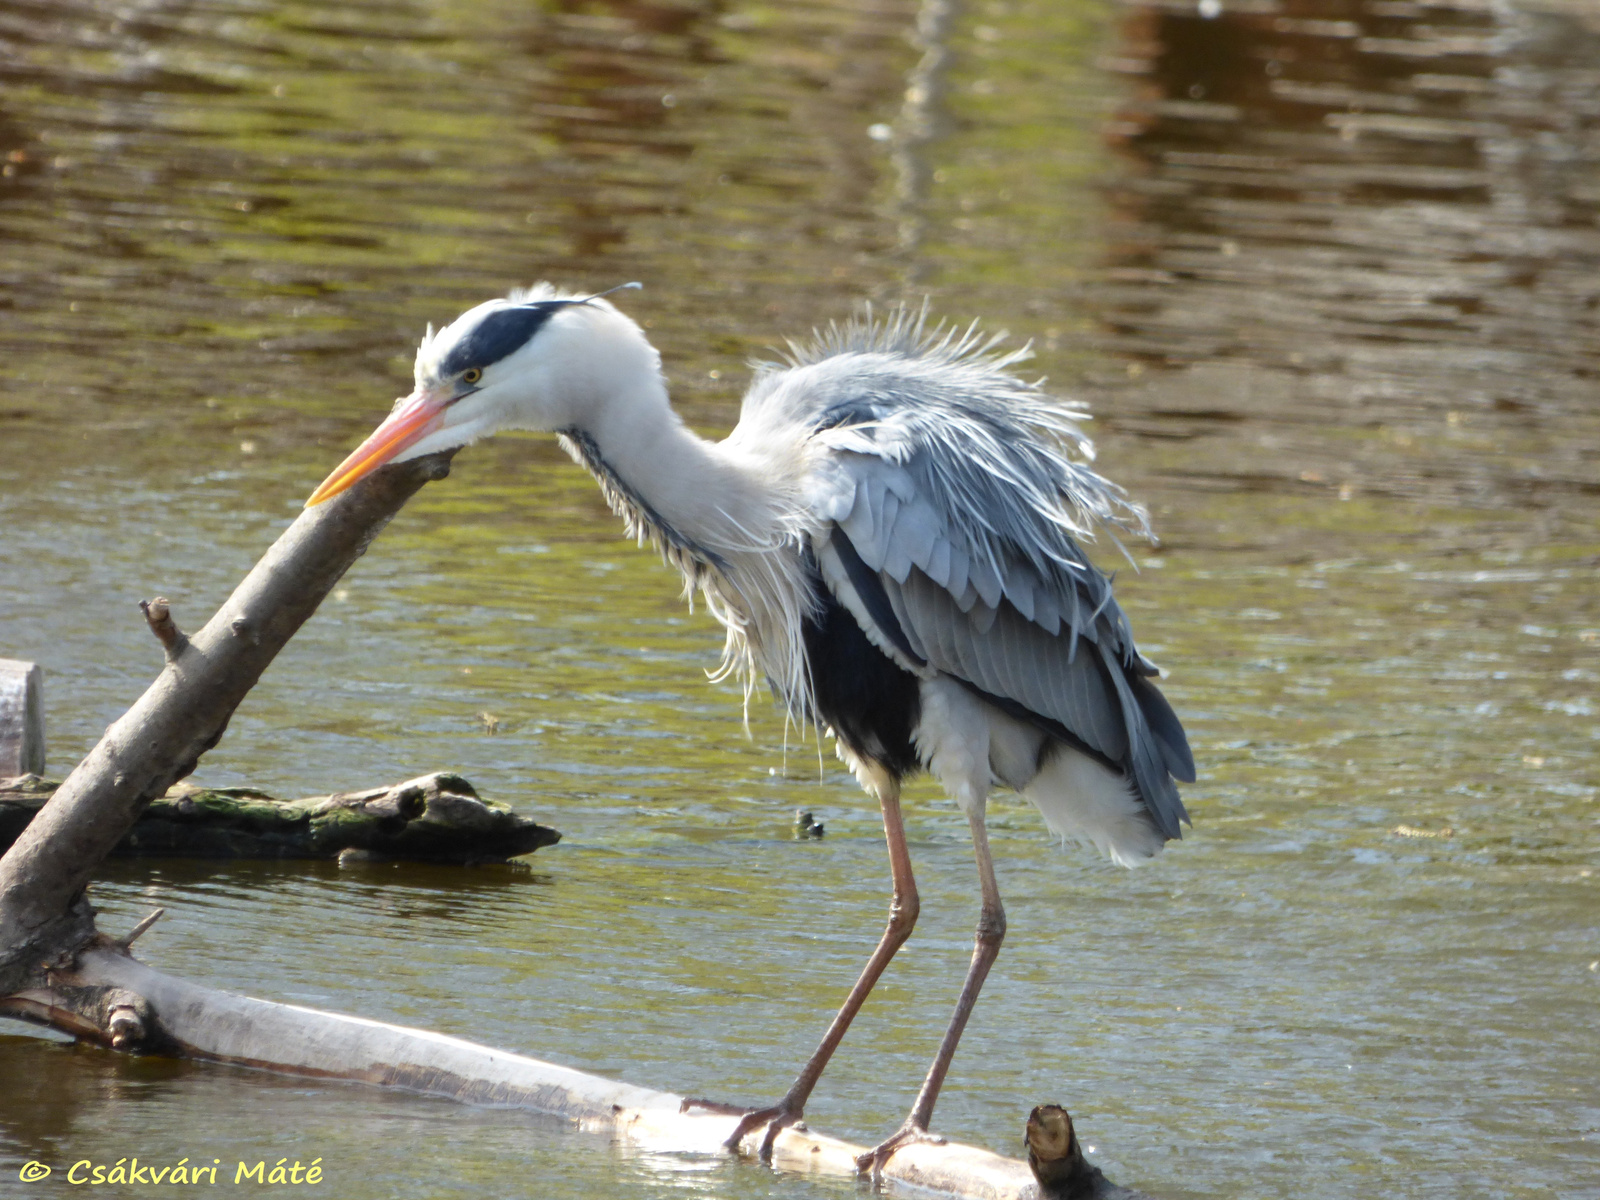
column 472, row 375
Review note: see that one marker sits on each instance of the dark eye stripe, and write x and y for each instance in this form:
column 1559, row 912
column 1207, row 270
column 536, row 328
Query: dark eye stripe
column 502, row 332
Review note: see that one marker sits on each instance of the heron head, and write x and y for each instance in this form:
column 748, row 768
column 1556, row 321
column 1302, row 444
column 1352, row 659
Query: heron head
column 534, row 360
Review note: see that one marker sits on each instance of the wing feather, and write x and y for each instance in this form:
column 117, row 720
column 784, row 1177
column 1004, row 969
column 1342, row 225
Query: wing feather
column 938, row 568
column 983, row 576
column 1018, row 587
column 960, row 586
column 917, row 531
column 1046, row 611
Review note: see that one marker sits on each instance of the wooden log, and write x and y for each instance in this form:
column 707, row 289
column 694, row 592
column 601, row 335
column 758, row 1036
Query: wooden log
column 107, row 994
column 434, row 818
column 21, row 718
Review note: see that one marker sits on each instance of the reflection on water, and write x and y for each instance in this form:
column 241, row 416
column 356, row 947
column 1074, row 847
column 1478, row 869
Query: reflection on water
column 310, row 186
column 1391, row 205
column 1326, row 271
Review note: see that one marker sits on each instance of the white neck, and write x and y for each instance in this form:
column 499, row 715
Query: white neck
column 706, row 492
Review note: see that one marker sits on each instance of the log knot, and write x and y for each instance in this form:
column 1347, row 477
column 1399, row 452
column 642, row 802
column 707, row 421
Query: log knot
column 138, row 930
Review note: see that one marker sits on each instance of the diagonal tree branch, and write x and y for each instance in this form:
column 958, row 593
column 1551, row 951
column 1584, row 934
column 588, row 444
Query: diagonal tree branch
column 158, row 741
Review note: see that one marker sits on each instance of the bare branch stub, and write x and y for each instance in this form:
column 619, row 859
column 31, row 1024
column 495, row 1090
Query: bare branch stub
column 138, row 930
column 158, row 615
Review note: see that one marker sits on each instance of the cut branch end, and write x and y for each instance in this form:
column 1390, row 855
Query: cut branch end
column 159, row 617
column 1056, row 1156
column 126, row 1027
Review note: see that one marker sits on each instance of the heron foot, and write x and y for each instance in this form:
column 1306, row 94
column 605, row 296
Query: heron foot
column 777, row 1118
column 871, row 1163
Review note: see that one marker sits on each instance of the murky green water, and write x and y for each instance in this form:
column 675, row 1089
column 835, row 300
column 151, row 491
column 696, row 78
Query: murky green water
column 1327, row 272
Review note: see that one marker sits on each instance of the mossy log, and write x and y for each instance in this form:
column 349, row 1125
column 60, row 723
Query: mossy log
column 434, row 818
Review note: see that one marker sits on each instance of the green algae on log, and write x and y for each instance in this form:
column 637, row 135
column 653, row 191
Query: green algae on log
column 433, row 818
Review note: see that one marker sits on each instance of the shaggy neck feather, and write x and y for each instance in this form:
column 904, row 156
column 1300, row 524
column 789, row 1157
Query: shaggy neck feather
column 724, row 518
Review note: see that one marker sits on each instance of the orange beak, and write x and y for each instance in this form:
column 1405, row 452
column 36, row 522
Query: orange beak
column 418, row 415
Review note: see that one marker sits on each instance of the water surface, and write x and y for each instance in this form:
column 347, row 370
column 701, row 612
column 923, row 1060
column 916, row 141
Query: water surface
column 1326, row 271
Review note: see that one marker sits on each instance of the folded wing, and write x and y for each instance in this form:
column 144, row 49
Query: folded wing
column 961, row 577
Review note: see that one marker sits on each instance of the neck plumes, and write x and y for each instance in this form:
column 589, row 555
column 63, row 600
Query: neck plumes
column 730, row 521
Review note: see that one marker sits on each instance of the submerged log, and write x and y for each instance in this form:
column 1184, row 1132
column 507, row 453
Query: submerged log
column 106, row 994
column 21, row 718
column 434, row 818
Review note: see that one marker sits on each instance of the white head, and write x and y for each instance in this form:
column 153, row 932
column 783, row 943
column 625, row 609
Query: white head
column 540, row 359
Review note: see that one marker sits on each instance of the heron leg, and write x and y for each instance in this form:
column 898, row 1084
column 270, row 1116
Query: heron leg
column 902, row 917
column 991, row 932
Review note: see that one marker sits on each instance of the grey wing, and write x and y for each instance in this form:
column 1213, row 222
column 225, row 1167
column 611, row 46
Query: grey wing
column 1044, row 641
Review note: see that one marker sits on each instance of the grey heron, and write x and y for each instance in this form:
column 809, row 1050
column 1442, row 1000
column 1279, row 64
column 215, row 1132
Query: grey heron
column 890, row 537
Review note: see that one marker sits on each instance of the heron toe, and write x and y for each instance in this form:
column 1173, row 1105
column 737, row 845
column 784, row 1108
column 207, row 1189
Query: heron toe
column 777, row 1118
column 871, row 1163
